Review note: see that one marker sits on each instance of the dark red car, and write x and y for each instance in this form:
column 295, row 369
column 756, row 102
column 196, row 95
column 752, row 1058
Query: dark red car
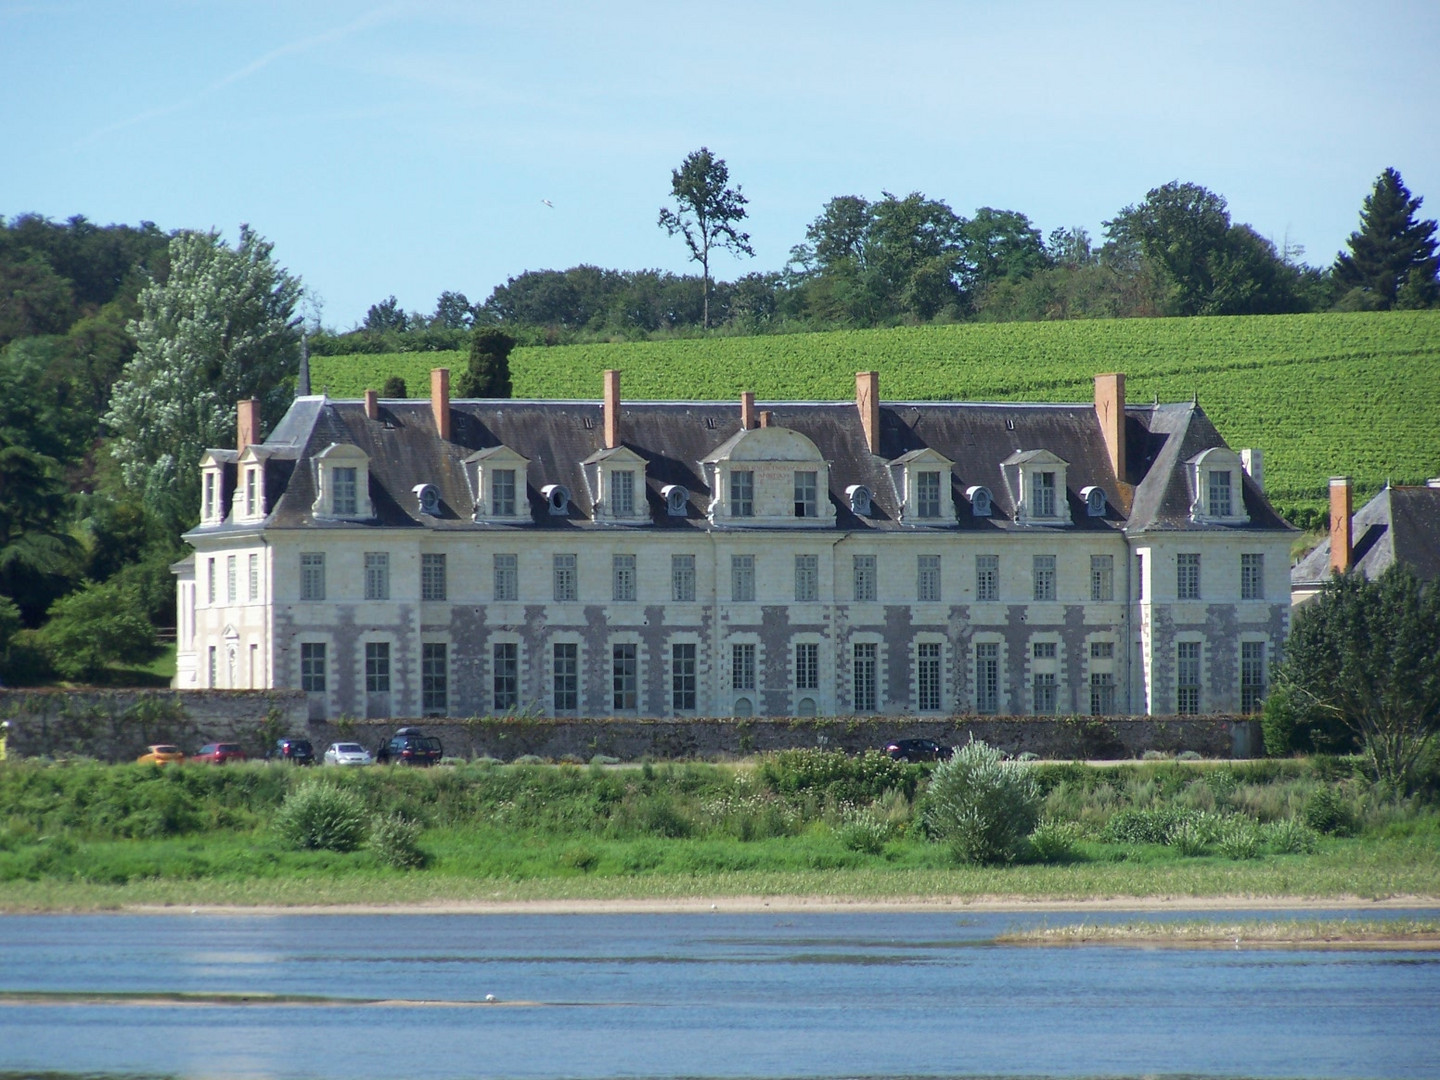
column 218, row 753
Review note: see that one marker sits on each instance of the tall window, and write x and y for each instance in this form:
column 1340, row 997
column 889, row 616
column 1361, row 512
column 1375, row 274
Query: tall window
column 742, row 578
column 806, row 503
column 1252, row 675
column 1252, row 577
column 434, row 678
column 209, row 495
column 211, row 597
column 1187, row 677
column 507, row 577
column 1045, row 693
column 987, row 677
column 232, row 593
column 432, row 577
column 742, row 493
column 807, row 578
column 1102, row 577
column 254, row 577
column 807, row 666
column 1102, row 693
column 250, row 487
column 312, row 667
column 1219, row 480
column 682, row 677
column 624, row 677
column 1139, row 576
column 312, row 575
column 927, row 578
column 567, row 676
column 864, row 573
column 927, row 494
column 742, row 667
column 682, row 578
column 622, row 492
column 1042, row 494
column 566, row 586
column 927, row 676
column 1043, row 573
column 213, row 667
column 622, row 579
column 987, row 577
column 502, row 493
column 342, row 480
column 505, row 676
column 864, row 671
column 1187, row 577
column 377, row 667
column 377, row 575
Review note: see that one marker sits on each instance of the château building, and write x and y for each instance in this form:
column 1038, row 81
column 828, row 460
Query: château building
column 594, row 558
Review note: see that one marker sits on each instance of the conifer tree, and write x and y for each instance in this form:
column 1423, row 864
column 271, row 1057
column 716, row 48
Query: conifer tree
column 1392, row 258
column 488, row 375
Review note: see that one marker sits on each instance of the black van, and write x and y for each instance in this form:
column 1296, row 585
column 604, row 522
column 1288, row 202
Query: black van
column 410, row 746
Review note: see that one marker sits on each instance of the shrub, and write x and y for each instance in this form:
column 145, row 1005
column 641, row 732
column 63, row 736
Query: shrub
column 1142, row 826
column 1193, row 833
column 1326, row 812
column 94, row 627
column 833, row 774
column 983, row 807
column 866, row 831
column 395, row 839
column 579, row 858
column 1290, row 837
column 1240, row 839
column 1054, row 841
column 319, row 816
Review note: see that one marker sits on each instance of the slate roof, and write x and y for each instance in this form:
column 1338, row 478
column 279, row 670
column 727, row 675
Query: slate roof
column 1401, row 524
column 676, row 438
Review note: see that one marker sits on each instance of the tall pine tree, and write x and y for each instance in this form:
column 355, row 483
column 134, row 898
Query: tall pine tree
column 1392, row 258
column 488, row 375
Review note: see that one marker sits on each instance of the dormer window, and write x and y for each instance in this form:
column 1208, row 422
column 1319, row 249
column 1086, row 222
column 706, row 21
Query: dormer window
column 981, row 501
column 1094, row 501
column 615, row 477
column 1036, row 481
column 1042, row 494
column 805, row 499
column 557, row 499
column 498, row 477
column 211, row 486
column 927, row 494
column 742, row 493
column 1215, row 478
column 860, row 499
column 344, row 503
column 252, row 484
column 427, row 498
column 343, row 482
column 502, row 492
column 622, row 492
column 677, row 499
column 217, row 485
column 922, row 480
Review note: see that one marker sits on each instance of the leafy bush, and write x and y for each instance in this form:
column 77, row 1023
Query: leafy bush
column 1240, row 839
column 317, row 815
column 982, row 806
column 1290, row 837
column 97, row 626
column 1326, row 812
column 864, row 830
column 395, row 839
column 833, row 774
column 1054, row 841
column 1142, row 826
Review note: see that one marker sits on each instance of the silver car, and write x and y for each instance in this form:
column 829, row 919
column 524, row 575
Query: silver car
column 347, row 753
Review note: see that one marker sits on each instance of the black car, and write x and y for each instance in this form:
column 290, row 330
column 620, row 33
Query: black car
column 410, row 746
column 295, row 751
column 918, row 750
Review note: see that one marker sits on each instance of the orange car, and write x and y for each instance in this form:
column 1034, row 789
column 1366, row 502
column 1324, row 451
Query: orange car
column 161, row 754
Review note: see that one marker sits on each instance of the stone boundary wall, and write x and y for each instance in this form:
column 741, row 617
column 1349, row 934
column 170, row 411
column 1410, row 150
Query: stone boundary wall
column 117, row 725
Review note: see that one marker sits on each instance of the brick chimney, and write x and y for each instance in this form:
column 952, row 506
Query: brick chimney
column 747, row 410
column 440, row 399
column 247, row 423
column 372, row 405
column 766, row 417
column 612, row 408
column 1342, row 544
column 867, row 401
column 1110, row 411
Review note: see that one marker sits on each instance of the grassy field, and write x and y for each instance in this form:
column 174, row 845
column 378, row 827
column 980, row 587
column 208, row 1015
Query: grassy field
column 1320, row 394
column 802, row 823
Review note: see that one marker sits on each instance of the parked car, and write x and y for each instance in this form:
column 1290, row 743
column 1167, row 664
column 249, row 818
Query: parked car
column 410, row 746
column 347, row 753
column 218, row 753
column 918, row 750
column 294, row 751
column 161, row 754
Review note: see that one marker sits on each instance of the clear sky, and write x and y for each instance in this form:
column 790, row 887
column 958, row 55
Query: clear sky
column 407, row 148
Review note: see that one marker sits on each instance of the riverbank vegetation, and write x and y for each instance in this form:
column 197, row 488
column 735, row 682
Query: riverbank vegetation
column 811, row 823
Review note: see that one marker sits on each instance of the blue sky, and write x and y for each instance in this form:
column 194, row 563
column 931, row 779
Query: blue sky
column 407, row 148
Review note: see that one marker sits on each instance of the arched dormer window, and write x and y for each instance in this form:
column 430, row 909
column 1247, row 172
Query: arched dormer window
column 923, row 483
column 342, row 483
column 1036, row 479
column 557, row 499
column 769, row 476
column 1217, row 494
column 499, row 479
column 860, row 500
column 677, row 499
column 616, row 478
column 982, row 503
column 1095, row 504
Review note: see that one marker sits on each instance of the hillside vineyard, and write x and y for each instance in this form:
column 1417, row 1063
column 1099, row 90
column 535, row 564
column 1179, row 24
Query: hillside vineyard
column 594, row 558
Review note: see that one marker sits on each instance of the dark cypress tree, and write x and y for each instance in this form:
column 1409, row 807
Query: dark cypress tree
column 1392, row 258
column 488, row 375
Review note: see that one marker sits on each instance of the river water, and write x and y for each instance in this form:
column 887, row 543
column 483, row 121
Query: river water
column 694, row 995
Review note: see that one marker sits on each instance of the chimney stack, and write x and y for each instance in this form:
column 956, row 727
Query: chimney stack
column 747, row 410
column 247, row 423
column 372, row 405
column 1110, row 411
column 1253, row 462
column 612, row 408
column 440, row 400
column 1342, row 544
column 867, row 401
column 766, row 418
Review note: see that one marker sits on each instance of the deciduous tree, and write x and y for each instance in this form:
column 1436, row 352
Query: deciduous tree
column 706, row 213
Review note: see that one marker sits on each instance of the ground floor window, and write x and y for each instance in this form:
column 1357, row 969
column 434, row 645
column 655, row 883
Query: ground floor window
column 987, row 677
column 1046, row 693
column 567, row 676
column 742, row 667
column 505, row 676
column 434, row 678
column 377, row 667
column 927, row 676
column 1187, row 677
column 624, row 677
column 807, row 666
column 682, row 677
column 312, row 667
column 1102, row 693
column 864, row 675
column 1252, row 675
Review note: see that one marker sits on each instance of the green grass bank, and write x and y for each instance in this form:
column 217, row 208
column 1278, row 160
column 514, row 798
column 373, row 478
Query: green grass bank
column 800, row 823
column 1320, row 394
